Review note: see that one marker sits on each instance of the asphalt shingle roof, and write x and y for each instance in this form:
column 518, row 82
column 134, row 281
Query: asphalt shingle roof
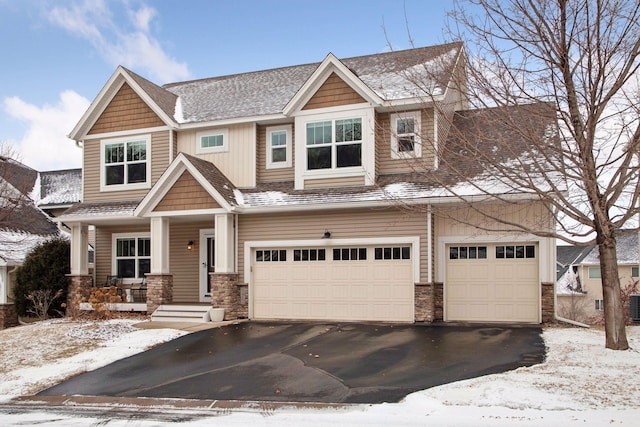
column 60, row 187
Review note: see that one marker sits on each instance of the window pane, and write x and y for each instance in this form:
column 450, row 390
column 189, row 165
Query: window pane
column 634, row 272
column 396, row 253
column 274, row 256
column 519, row 251
column 144, row 266
column 283, row 255
column 362, row 253
column 453, row 252
column 114, row 175
column 406, row 252
column 387, row 253
column 499, row 251
column 348, row 130
column 319, row 133
column 405, row 126
column 278, row 138
column 349, row 155
column 136, row 172
column 126, row 267
column 212, row 141
column 259, row 256
column 345, row 254
column 321, row 254
column 594, row 273
column 136, row 151
column 144, row 247
column 509, row 251
column 482, row 252
column 531, row 251
column 406, row 143
column 125, row 247
column 278, row 155
column 114, row 153
column 297, row 255
column 336, row 255
column 319, row 158
column 463, row 252
column 313, row 254
column 473, row 254
column 378, row 253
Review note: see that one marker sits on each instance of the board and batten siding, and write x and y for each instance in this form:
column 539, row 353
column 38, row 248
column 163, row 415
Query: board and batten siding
column 272, row 175
column 238, row 163
column 92, row 171
column 126, row 111
column 385, row 164
column 333, row 92
column 361, row 223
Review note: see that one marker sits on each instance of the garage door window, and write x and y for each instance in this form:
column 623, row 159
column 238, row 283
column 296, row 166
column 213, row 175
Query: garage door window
column 271, row 255
column 468, row 252
column 349, row 254
column 515, row 251
column 399, row 252
column 309, row 254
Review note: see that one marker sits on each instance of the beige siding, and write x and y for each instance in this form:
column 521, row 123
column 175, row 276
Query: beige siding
column 126, row 111
column 186, row 194
column 91, row 169
column 333, row 92
column 271, row 175
column 238, row 164
column 185, row 264
column 334, row 182
column 104, row 246
column 385, row 164
column 362, row 223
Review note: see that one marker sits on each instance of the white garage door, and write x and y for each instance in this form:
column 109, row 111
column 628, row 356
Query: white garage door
column 492, row 283
column 370, row 283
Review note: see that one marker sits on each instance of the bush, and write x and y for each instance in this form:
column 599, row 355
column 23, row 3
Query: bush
column 45, row 268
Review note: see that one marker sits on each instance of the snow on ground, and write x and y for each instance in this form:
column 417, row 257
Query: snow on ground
column 580, row 383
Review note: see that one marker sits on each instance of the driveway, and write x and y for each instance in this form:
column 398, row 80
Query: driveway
column 312, row 362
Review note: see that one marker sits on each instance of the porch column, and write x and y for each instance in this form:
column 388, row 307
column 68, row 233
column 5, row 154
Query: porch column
column 4, row 283
column 159, row 280
column 225, row 290
column 225, row 243
column 79, row 248
column 8, row 314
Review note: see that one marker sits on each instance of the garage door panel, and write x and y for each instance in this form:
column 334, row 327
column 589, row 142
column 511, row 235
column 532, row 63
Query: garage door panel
column 492, row 288
column 346, row 289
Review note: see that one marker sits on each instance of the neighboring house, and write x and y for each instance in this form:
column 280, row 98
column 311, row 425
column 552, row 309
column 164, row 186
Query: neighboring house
column 58, row 190
column 283, row 194
column 22, row 226
column 579, row 289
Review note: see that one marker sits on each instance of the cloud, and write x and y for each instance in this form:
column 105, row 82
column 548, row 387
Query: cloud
column 45, row 146
column 121, row 41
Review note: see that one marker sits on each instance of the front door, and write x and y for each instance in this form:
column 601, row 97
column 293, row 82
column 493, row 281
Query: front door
column 207, row 262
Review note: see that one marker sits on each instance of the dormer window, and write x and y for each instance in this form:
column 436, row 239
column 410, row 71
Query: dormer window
column 279, row 147
column 405, row 135
column 125, row 163
column 334, row 144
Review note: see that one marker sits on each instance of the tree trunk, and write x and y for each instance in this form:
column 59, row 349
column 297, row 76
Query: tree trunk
column 614, row 321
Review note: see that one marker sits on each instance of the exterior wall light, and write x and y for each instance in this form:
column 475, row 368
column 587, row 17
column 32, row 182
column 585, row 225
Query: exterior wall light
column 326, row 235
column 190, row 245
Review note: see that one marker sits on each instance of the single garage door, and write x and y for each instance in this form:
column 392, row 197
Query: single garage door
column 492, row 283
column 356, row 283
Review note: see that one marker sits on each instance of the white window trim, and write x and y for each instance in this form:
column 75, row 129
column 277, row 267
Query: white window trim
column 368, row 148
column 417, row 126
column 213, row 132
column 638, row 271
column 279, row 165
column 121, row 187
column 114, row 258
column 594, row 268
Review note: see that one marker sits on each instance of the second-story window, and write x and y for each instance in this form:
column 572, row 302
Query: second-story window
column 212, row 141
column 125, row 163
column 279, row 147
column 405, row 135
column 333, row 144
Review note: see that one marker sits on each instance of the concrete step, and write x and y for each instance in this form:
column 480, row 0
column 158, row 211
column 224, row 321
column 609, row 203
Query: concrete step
column 182, row 313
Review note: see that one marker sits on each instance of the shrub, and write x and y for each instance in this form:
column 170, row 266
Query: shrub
column 45, row 268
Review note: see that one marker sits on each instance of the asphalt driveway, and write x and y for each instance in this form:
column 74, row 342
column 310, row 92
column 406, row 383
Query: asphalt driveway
column 311, row 362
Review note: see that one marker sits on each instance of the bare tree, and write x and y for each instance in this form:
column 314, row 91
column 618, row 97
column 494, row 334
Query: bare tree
column 553, row 89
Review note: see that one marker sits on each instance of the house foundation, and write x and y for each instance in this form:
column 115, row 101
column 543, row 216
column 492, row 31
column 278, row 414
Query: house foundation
column 8, row 316
column 227, row 293
column 159, row 290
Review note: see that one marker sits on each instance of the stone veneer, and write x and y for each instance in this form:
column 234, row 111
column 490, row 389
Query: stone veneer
column 79, row 286
column 428, row 302
column 159, row 290
column 548, row 309
column 8, row 316
column 227, row 293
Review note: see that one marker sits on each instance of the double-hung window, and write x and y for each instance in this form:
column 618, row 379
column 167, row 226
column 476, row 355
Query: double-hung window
column 279, row 147
column 334, row 144
column 132, row 255
column 405, row 135
column 125, row 163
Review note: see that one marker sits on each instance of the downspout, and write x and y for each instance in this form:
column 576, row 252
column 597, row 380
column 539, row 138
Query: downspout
column 429, row 246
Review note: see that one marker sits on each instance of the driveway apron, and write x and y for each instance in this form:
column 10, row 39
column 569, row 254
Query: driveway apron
column 312, row 362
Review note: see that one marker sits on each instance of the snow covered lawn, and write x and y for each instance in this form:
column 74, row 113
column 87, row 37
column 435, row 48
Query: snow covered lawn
column 581, row 383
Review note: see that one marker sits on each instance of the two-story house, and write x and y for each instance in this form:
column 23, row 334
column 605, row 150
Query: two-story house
column 306, row 192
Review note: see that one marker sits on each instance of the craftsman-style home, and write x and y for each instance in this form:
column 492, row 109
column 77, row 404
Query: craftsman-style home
column 310, row 192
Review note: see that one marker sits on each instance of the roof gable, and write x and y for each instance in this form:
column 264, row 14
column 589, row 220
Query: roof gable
column 186, row 194
column 211, row 183
column 333, row 92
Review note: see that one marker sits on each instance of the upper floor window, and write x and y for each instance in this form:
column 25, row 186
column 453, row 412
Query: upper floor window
column 125, row 163
column 212, row 141
column 333, row 144
column 279, row 147
column 405, row 135
column 634, row 271
column 594, row 273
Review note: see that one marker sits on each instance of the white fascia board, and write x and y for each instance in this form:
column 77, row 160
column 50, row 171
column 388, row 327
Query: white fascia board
column 188, row 212
column 330, row 64
column 235, row 121
column 101, row 220
column 125, row 133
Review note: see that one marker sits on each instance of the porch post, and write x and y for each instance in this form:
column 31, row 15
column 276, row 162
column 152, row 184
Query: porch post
column 225, row 292
column 80, row 281
column 159, row 280
column 8, row 314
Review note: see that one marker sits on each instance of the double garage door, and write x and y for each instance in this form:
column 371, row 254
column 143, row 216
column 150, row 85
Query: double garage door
column 493, row 283
column 353, row 283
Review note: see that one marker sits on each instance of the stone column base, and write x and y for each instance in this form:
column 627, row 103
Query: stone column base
column 228, row 294
column 547, row 302
column 428, row 302
column 159, row 290
column 78, row 291
column 8, row 316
